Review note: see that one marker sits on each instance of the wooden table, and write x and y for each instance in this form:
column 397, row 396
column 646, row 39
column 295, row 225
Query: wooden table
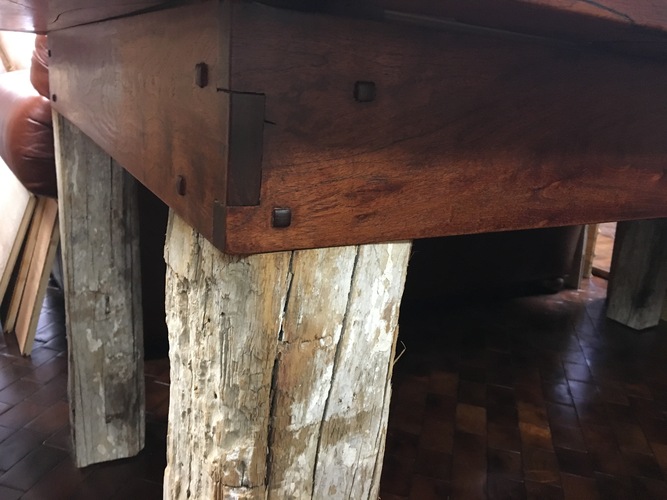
column 278, row 126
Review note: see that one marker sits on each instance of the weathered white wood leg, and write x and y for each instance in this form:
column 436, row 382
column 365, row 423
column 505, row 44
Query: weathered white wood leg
column 280, row 369
column 100, row 247
column 638, row 276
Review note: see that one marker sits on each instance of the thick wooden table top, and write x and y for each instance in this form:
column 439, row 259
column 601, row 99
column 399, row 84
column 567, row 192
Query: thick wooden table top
column 46, row 15
column 283, row 124
column 606, row 21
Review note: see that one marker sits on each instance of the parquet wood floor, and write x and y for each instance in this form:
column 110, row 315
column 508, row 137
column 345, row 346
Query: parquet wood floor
column 536, row 397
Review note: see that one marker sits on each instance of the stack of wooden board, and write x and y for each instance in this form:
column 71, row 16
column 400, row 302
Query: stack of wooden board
column 16, row 206
column 30, row 230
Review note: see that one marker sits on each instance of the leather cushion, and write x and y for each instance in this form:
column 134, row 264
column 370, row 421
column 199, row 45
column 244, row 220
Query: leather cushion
column 26, row 133
column 39, row 70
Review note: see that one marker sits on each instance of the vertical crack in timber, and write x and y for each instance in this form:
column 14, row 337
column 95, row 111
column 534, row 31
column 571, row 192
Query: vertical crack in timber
column 271, row 432
column 110, row 212
column 334, row 369
column 194, row 289
column 274, row 377
column 290, row 280
column 354, row 479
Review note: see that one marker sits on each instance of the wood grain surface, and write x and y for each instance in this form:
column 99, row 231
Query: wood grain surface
column 623, row 25
column 99, row 222
column 280, row 368
column 32, row 236
column 133, row 90
column 468, row 133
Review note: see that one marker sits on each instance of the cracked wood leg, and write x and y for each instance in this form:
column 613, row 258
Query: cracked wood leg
column 280, row 368
column 638, row 275
column 99, row 224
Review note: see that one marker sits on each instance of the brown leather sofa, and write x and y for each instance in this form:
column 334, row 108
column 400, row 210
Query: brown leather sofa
column 26, row 129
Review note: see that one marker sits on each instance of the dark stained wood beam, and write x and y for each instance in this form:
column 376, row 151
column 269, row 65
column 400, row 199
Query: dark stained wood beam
column 289, row 144
column 138, row 90
column 468, row 132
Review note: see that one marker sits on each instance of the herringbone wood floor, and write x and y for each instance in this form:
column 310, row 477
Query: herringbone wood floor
column 537, row 397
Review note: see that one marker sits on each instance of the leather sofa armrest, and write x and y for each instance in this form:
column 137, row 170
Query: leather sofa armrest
column 26, row 133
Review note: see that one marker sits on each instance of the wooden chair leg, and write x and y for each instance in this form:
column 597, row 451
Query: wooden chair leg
column 280, row 368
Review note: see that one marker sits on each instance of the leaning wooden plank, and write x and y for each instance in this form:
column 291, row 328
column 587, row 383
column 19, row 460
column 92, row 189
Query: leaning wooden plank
column 100, row 246
column 38, row 277
column 280, row 368
column 577, row 269
column 638, row 275
column 24, row 267
column 16, row 207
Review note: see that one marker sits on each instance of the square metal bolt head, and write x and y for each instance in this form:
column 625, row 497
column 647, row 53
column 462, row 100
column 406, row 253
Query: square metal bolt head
column 364, row 91
column 281, row 217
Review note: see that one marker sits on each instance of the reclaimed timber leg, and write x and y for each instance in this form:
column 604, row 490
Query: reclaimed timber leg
column 280, row 368
column 638, row 276
column 100, row 247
